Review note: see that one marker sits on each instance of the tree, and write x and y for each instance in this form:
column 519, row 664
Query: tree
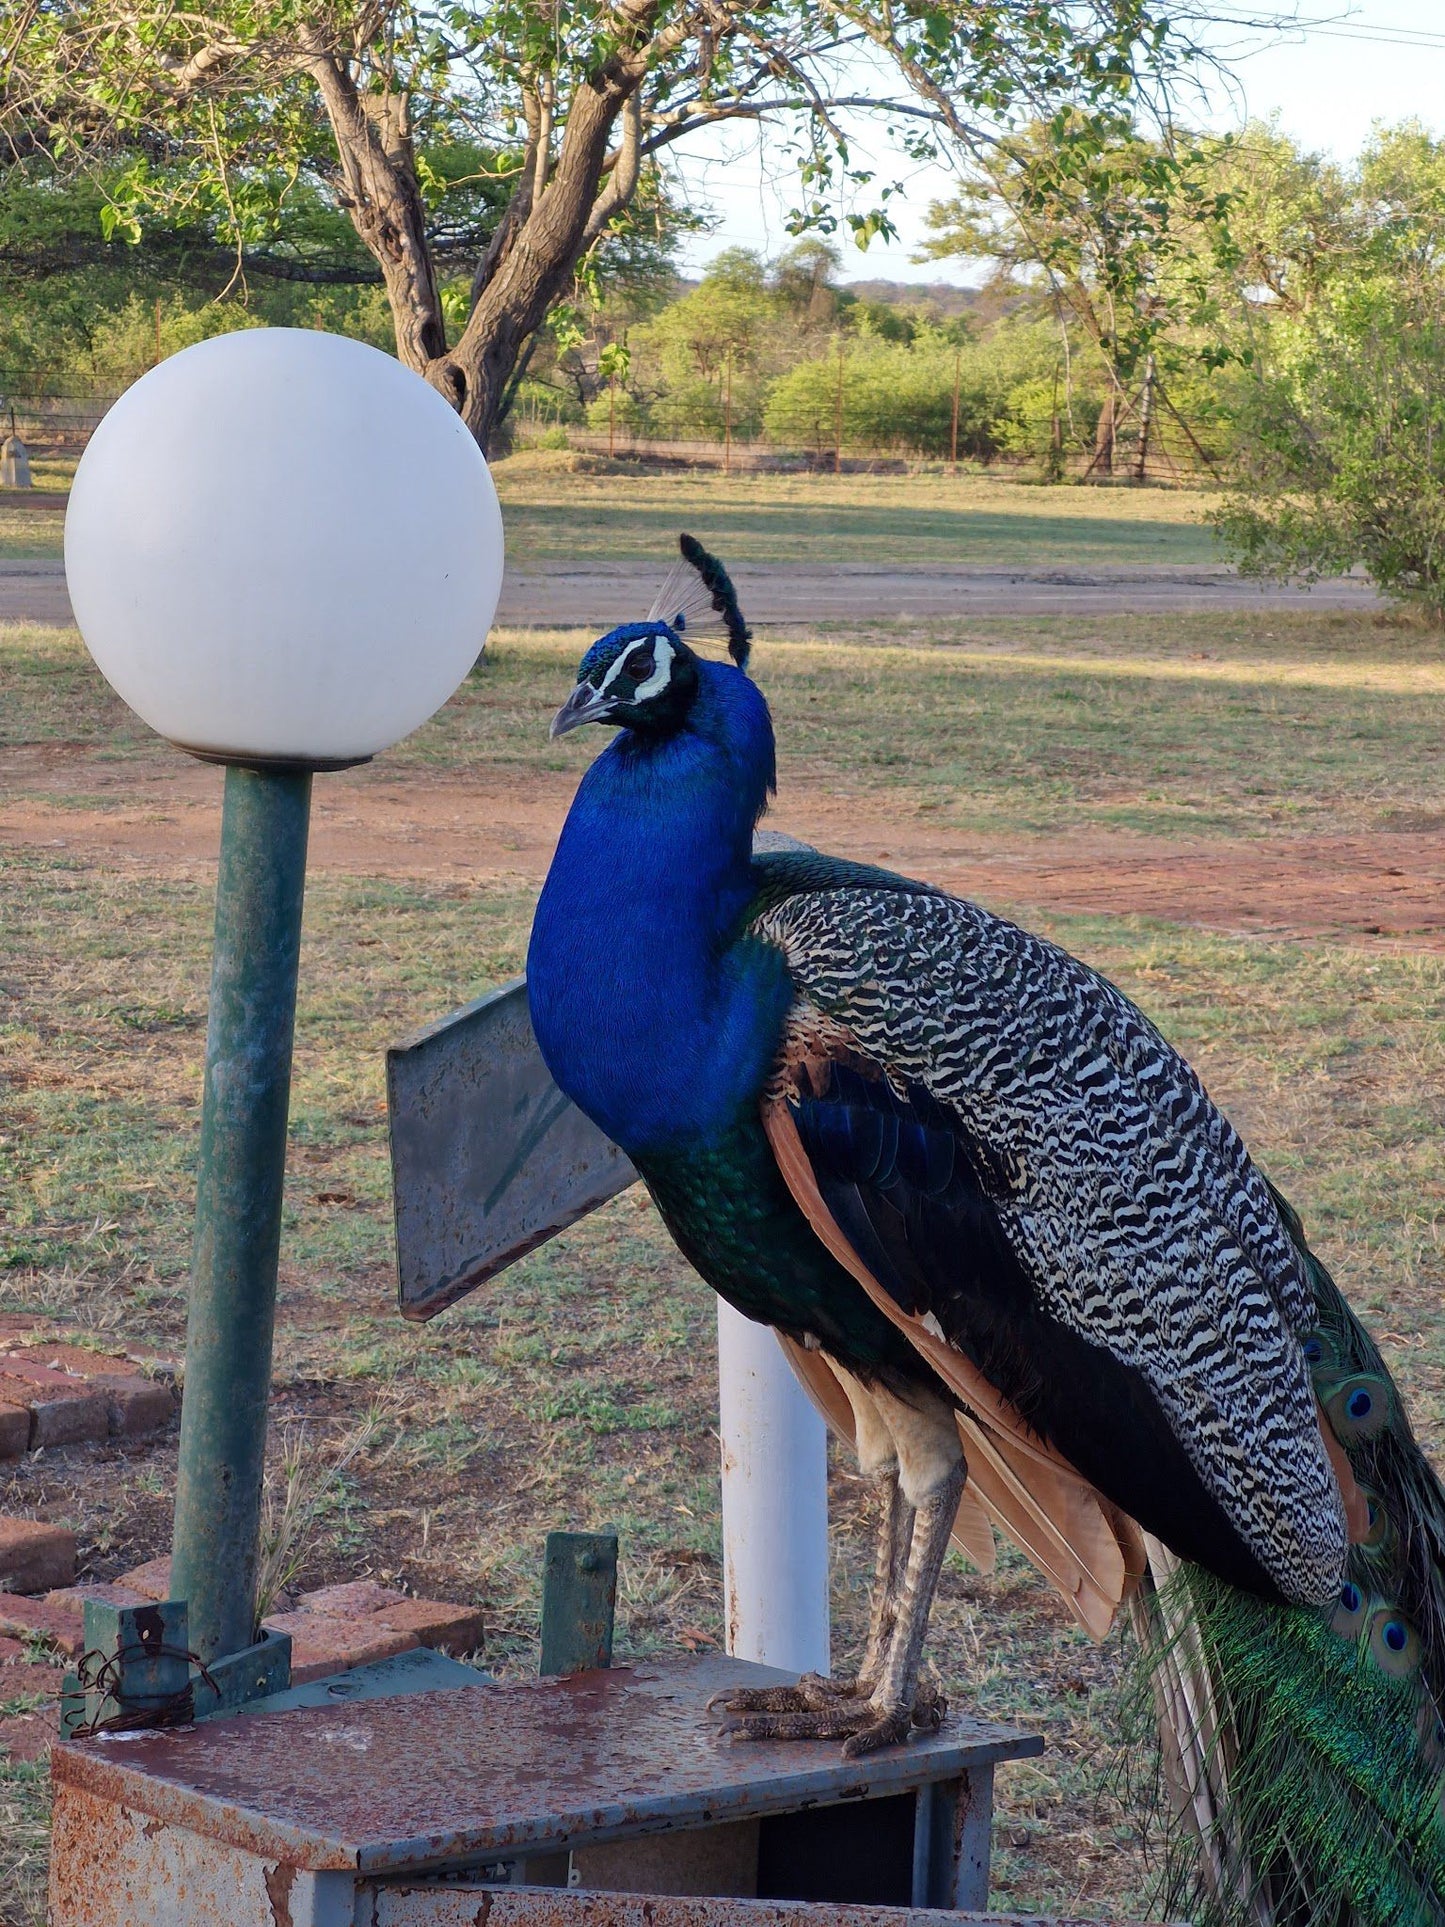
column 1118, row 231
column 1344, row 442
column 562, row 115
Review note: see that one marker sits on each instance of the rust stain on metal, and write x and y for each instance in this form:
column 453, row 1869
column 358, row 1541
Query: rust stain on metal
column 279, row 1880
column 454, row 1777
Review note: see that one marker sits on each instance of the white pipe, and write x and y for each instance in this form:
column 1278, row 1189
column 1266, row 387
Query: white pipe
column 775, row 1503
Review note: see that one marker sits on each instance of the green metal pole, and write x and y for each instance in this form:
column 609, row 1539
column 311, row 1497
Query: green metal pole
column 259, row 890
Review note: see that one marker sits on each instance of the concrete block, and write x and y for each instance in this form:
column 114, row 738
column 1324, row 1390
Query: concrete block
column 111, row 1593
column 355, row 1597
column 14, row 463
column 14, row 1430
column 445, row 1628
column 135, row 1407
column 63, row 1410
column 35, row 1556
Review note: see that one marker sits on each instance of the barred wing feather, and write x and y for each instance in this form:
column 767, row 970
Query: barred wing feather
column 1038, row 1180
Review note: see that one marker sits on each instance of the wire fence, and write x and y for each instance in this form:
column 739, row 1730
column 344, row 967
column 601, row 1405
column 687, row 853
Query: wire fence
column 52, row 426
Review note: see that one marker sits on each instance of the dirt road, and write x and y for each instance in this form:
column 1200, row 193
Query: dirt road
column 594, row 597
column 163, row 818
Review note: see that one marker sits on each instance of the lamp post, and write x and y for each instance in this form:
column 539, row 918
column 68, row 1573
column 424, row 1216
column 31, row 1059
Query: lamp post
column 284, row 551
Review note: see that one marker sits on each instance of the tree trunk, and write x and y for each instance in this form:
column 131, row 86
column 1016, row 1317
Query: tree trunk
column 379, row 190
column 838, row 415
column 557, row 212
column 953, row 425
column 533, row 258
column 1146, row 422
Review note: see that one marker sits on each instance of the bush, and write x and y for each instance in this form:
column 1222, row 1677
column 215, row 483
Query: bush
column 1345, row 440
column 893, row 397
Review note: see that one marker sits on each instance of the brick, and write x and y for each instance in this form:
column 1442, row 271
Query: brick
column 152, row 1580
column 58, row 1625
column 34, row 1555
column 448, row 1629
column 356, row 1597
column 57, row 1356
column 14, row 1430
column 63, row 1410
column 10, row 1649
column 112, row 1591
column 135, row 1407
column 321, row 1646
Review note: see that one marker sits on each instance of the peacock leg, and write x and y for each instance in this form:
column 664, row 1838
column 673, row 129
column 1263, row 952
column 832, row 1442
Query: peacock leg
column 922, row 1478
column 814, row 1693
column 898, row 1702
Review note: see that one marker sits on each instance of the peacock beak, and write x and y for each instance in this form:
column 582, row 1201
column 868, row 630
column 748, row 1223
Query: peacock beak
column 584, row 705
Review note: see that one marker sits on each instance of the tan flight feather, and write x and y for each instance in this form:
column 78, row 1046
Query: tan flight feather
column 1082, row 1544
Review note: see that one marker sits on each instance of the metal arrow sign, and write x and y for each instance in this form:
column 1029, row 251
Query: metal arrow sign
column 488, row 1158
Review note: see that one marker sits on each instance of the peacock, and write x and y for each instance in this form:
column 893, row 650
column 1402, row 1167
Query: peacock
column 1026, row 1268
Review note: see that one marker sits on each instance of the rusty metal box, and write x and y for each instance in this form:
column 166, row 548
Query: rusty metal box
column 358, row 1810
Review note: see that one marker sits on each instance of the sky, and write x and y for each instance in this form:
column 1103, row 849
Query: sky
column 1360, row 61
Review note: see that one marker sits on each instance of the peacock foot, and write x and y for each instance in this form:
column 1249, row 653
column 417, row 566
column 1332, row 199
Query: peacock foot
column 814, row 1693
column 821, row 1709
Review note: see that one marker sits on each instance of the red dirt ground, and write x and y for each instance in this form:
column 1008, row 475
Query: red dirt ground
column 493, row 824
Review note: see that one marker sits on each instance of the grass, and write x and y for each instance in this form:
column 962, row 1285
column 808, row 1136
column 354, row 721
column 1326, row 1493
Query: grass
column 559, row 512
column 578, row 1389
column 1322, row 723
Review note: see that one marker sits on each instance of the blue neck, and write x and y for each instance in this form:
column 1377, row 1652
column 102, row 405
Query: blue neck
column 650, row 1020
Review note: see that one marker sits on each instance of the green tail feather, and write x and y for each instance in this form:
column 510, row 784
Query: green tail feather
column 1326, row 1775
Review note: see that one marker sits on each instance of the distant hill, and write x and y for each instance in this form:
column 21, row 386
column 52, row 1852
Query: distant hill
column 943, row 295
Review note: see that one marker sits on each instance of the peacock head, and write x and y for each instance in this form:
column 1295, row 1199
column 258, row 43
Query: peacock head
column 643, row 676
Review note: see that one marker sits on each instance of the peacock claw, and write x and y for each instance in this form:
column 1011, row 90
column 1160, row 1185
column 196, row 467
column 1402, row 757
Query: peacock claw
column 825, row 1709
column 814, row 1693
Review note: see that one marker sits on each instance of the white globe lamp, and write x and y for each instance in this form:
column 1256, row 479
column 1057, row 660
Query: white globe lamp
column 283, row 547
column 284, row 551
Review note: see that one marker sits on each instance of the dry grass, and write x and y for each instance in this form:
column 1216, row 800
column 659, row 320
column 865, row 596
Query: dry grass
column 556, row 510
column 559, row 511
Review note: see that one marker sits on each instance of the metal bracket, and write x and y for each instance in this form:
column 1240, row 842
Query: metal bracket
column 232, row 1682
column 579, row 1601
column 137, row 1671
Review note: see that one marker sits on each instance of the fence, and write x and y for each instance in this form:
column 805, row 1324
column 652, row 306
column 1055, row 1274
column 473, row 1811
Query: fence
column 52, row 426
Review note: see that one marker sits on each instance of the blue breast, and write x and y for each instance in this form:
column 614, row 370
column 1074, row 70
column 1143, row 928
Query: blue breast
column 653, row 1015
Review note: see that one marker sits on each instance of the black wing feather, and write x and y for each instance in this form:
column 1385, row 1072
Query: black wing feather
column 919, row 1201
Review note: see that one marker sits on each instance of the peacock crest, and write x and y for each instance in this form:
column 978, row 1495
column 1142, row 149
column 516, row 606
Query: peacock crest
column 698, row 591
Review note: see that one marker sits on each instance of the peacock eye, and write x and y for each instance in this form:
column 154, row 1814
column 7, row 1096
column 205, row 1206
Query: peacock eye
column 641, row 667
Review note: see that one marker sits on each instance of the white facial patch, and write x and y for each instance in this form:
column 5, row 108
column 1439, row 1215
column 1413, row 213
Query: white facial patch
column 663, row 654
